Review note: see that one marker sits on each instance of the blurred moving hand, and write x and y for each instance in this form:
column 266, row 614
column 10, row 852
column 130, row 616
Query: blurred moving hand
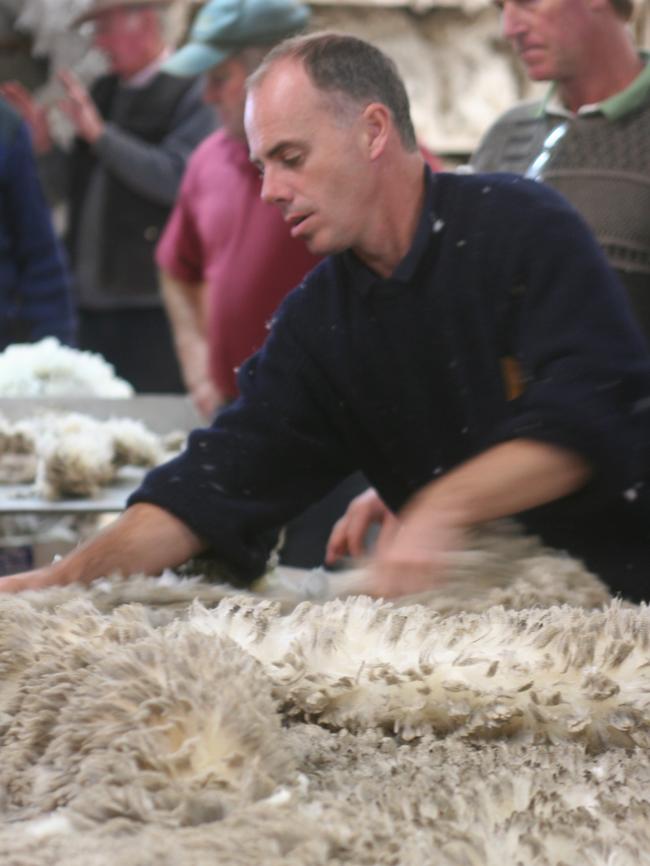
column 412, row 550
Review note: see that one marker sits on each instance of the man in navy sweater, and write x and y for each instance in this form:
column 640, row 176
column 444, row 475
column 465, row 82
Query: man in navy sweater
column 390, row 357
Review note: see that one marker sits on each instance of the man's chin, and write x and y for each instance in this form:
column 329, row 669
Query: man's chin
column 321, row 247
column 538, row 71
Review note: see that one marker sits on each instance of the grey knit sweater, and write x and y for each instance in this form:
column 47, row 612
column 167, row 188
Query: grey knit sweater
column 602, row 166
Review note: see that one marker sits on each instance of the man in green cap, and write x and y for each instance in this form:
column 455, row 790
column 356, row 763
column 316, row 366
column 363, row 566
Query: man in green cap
column 226, row 258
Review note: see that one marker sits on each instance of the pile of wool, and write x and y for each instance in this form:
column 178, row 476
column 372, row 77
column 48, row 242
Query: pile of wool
column 18, row 461
column 48, row 369
column 243, row 736
column 68, row 454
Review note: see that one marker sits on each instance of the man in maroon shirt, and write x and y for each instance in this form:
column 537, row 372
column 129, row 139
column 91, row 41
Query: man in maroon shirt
column 226, row 258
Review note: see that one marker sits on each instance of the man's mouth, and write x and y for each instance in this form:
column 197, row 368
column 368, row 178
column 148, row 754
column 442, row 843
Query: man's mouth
column 528, row 50
column 295, row 221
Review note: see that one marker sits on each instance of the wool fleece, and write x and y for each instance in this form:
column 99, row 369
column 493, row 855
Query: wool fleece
column 174, row 721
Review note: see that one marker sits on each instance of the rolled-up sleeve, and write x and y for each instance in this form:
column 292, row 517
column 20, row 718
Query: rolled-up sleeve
column 583, row 359
column 262, row 461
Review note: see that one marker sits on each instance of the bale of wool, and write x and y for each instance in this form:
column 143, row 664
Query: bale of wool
column 18, row 459
column 134, row 444
column 76, row 456
column 69, row 454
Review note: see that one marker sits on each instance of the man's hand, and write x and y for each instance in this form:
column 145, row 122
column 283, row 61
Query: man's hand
column 415, row 555
column 414, row 551
column 36, row 579
column 145, row 539
column 34, row 114
column 206, row 398
column 79, row 108
column 349, row 533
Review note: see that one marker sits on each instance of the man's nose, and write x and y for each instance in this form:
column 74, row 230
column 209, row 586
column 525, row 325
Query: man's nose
column 273, row 190
column 512, row 20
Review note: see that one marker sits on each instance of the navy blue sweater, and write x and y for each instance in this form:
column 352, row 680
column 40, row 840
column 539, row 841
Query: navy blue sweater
column 35, row 299
column 402, row 377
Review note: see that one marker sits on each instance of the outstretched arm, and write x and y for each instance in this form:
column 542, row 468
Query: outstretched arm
column 144, row 539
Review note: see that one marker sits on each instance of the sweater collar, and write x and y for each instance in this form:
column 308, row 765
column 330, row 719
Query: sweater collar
column 363, row 279
column 632, row 97
column 148, row 73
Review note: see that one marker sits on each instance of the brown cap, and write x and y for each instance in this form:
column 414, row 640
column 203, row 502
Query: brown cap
column 98, row 7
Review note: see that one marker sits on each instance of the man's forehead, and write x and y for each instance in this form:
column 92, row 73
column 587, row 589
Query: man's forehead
column 117, row 15
column 285, row 79
column 268, row 97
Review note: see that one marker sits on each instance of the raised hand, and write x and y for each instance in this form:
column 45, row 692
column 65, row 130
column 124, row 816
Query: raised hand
column 79, row 107
column 33, row 113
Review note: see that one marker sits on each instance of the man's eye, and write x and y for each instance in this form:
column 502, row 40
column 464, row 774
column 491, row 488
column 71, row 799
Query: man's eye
column 292, row 160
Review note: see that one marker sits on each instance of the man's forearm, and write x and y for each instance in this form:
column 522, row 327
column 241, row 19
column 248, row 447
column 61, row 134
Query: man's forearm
column 144, row 539
column 183, row 304
column 506, row 479
column 413, row 554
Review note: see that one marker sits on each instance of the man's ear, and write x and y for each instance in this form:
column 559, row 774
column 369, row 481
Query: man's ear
column 377, row 124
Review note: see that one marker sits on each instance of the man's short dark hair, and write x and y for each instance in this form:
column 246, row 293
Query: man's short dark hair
column 340, row 65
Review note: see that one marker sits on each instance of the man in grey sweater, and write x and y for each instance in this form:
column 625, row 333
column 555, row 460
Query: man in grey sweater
column 589, row 137
column 134, row 132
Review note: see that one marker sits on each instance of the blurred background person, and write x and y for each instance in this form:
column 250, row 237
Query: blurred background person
column 226, row 258
column 134, row 132
column 35, row 298
column 590, row 137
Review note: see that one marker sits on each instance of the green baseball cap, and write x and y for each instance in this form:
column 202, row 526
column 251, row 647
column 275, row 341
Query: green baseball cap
column 224, row 27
